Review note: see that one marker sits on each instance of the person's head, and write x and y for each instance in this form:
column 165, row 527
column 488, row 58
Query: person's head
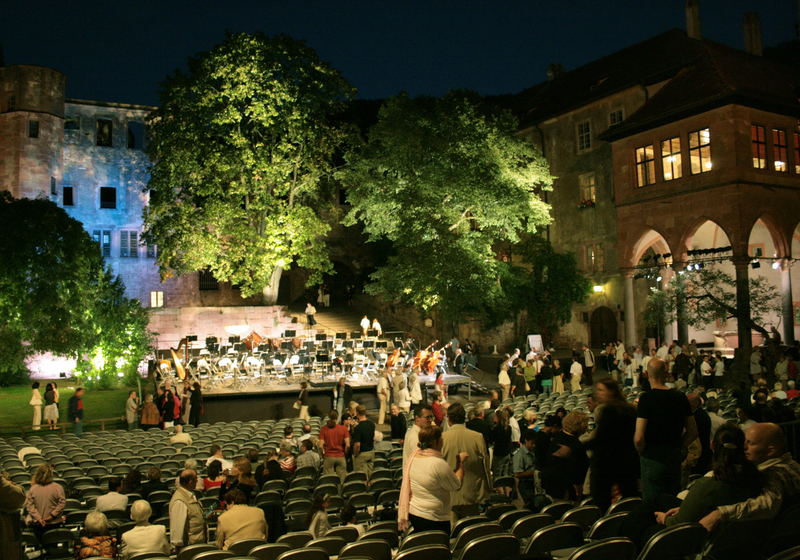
column 712, row 405
column 576, row 423
column 235, row 497
column 133, row 480
column 95, row 524
column 348, row 514
column 132, row 395
column 430, row 437
column 456, row 414
column 319, row 502
column 114, row 484
column 43, row 475
column 529, row 415
column 342, row 381
column 394, row 410
column 729, row 462
column 333, row 417
column 241, row 467
column 561, row 412
column 216, row 451
column 35, row 385
column 361, row 412
column 694, row 401
column 501, row 417
column 552, row 424
column 306, row 445
column 190, row 463
column 656, row 370
column 764, row 441
column 188, row 479
column 287, row 432
column 303, row 385
column 252, row 455
column 529, row 439
column 79, row 392
column 423, row 416
column 214, row 469
column 154, row 474
column 607, row 390
column 148, row 398
column 178, row 429
column 48, row 387
column 196, row 386
column 306, row 428
column 141, row 512
column 494, row 395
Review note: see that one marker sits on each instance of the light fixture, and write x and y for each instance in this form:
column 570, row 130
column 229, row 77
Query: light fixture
column 658, row 278
column 690, row 267
column 776, row 265
column 597, row 288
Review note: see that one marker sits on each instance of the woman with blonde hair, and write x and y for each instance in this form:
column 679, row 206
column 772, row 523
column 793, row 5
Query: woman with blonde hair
column 241, row 477
column 95, row 542
column 144, row 537
column 45, row 501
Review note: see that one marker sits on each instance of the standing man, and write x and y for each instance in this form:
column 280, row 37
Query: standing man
column 363, row 442
column 575, row 375
column 365, row 325
column 588, row 365
column 504, row 380
column 310, row 312
column 397, row 422
column 187, row 525
column 342, row 395
column 75, row 410
column 476, row 486
column 383, row 395
column 664, row 426
column 459, row 361
column 524, row 465
column 423, row 416
column 335, row 439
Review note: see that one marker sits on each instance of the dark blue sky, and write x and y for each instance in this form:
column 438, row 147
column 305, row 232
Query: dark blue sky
column 120, row 51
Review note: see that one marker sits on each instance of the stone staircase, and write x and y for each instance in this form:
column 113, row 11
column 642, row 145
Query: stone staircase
column 333, row 319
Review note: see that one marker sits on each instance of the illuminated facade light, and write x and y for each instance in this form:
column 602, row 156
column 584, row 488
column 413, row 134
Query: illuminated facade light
column 597, row 288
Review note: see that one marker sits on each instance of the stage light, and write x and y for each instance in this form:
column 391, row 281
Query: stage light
column 776, row 265
column 658, row 278
column 598, row 289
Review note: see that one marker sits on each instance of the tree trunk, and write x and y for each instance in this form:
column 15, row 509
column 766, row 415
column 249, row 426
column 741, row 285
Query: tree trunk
column 269, row 293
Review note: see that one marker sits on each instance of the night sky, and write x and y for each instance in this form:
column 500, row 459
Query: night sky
column 120, row 51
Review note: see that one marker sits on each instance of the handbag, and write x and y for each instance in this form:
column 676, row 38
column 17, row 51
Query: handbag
column 296, row 405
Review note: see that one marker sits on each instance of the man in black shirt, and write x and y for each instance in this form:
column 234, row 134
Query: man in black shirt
column 477, row 423
column 664, row 427
column 398, row 423
column 363, row 439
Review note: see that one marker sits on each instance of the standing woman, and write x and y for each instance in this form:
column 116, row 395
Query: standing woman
column 558, row 377
column 44, row 502
column 440, row 387
column 195, row 405
column 614, row 459
column 414, row 389
column 132, row 409
column 50, row 406
column 302, row 401
column 427, row 486
column 36, row 403
column 501, row 455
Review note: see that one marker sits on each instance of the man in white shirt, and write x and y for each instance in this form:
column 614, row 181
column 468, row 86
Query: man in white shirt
column 383, row 395
column 365, row 324
column 180, row 436
column 216, row 455
column 663, row 352
column 530, row 356
column 512, row 358
column 423, row 416
column 505, row 381
column 575, row 374
column 113, row 500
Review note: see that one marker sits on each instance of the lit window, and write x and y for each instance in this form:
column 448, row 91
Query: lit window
column 33, row 128
column 156, row 299
column 583, row 134
column 595, row 258
column 671, row 158
column 779, row 150
column 616, row 117
column 759, row 143
column 67, row 196
column 588, row 187
column 108, row 197
column 700, row 151
column 645, row 166
column 104, row 132
column 129, row 244
column 103, row 239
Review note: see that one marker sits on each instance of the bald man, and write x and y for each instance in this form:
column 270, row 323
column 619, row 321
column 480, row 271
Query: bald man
column 764, row 445
column 664, row 426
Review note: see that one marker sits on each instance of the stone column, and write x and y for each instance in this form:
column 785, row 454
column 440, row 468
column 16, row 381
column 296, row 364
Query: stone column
column 671, row 329
column 744, row 331
column 680, row 307
column 630, row 312
column 787, row 311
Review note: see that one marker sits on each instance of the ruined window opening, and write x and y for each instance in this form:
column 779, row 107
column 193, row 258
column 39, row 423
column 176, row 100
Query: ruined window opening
column 108, row 197
column 105, row 133
column 33, row 128
column 68, row 195
column 135, row 135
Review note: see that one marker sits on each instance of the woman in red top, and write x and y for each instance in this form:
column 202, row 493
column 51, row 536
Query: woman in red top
column 214, row 478
column 438, row 409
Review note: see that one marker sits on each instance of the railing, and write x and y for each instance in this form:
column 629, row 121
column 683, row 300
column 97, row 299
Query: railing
column 62, row 427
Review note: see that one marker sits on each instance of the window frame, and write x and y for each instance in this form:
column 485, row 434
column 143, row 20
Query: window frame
column 672, row 160
column 755, row 142
column 156, row 298
column 129, row 244
column 583, row 139
column 105, row 205
column 585, row 187
column 780, row 151
column 621, row 111
column 702, row 151
column 67, row 189
column 103, row 239
column 646, row 165
column 595, row 258
column 97, row 136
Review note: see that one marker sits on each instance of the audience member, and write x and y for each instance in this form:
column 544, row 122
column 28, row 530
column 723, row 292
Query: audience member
column 240, row 478
column 132, row 483
column 317, row 518
column 75, row 411
column 501, row 450
column 187, row 523
column 349, row 518
column 703, row 422
column 423, row 416
column 112, row 500
column 335, row 439
column 717, row 421
column 566, row 467
column 477, row 423
column 239, row 521
column 180, row 436
column 287, row 461
column 458, row 442
column 289, row 440
column 144, row 537
column 363, row 438
column 94, row 540
column 44, row 501
column 150, row 414
column 216, row 454
column 214, row 477
column 270, row 469
column 429, row 483
column 308, row 457
column 664, row 426
column 524, row 467
column 437, row 409
column 12, row 497
column 397, row 423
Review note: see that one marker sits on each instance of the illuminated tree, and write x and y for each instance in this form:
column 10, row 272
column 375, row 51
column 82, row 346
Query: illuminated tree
column 241, row 144
column 444, row 180
column 56, row 295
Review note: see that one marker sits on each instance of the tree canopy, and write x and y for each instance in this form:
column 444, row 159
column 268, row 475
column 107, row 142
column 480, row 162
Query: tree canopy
column 240, row 145
column 445, row 180
column 56, row 295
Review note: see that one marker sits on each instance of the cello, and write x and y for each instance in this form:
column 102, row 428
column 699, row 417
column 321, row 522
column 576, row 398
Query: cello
column 421, row 359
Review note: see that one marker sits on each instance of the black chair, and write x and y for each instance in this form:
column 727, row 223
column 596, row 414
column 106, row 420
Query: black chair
column 243, row 547
column 585, row 516
column 607, row 526
column 295, row 539
column 346, row 532
column 558, row 508
column 680, row 540
column 617, row 548
column 425, row 538
column 304, row 554
column 525, row 527
column 507, row 519
column 214, row 555
column 188, row 552
column 386, row 535
column 494, row 512
column 331, row 545
column 558, row 536
column 790, row 554
column 374, row 549
column 427, row 552
column 491, row 546
column 625, row 504
column 57, row 543
column 465, row 522
column 269, row 551
column 148, row 556
column 473, row 532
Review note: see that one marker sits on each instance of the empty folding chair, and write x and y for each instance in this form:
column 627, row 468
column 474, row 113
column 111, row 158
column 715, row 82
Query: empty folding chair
column 507, row 519
column 491, row 546
column 269, row 551
column 214, row 555
column 374, row 549
column 425, row 538
column 558, row 536
column 57, row 543
column 304, row 554
column 494, row 512
column 558, row 508
column 617, row 548
column 465, row 522
column 243, row 548
column 684, row 539
column 472, row 532
column 585, row 516
column 607, row 526
column 331, row 545
column 789, row 554
column 428, row 552
column 386, row 535
column 295, row 539
column 347, row 532
column 625, row 504
column 525, row 527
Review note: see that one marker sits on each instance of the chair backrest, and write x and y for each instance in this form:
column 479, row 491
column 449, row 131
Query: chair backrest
column 304, row 554
column 377, row 550
column 475, row 531
column 789, row 554
column 525, row 527
column 585, row 516
column 269, row 551
column 381, row 535
column 491, row 546
column 558, row 508
column 617, row 548
column 214, row 555
column 427, row 552
column 331, row 545
column 553, row 537
column 494, row 512
column 607, row 526
column 243, row 548
column 295, row 539
column 461, row 524
column 425, row 538
column 347, row 532
column 148, row 556
column 625, row 504
column 680, row 540
column 188, row 552
column 508, row 518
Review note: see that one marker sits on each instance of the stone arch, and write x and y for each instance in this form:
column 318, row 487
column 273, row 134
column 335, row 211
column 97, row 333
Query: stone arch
column 647, row 239
column 691, row 231
column 781, row 239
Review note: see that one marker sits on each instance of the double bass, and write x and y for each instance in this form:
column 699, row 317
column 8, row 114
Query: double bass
column 434, row 359
column 391, row 361
column 422, row 356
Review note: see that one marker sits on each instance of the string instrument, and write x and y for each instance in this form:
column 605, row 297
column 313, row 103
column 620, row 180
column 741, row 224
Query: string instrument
column 175, row 357
column 434, row 359
column 393, row 357
column 422, row 356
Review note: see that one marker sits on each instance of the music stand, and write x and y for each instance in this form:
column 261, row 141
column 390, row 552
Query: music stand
column 286, row 345
column 240, row 347
column 382, row 344
column 369, row 344
column 309, row 345
column 341, row 335
column 321, row 336
column 372, row 332
column 289, row 334
column 355, row 335
column 234, row 339
column 398, row 344
column 348, row 343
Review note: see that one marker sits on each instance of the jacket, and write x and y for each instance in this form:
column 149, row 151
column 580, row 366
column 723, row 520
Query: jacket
column 240, row 522
column 476, row 486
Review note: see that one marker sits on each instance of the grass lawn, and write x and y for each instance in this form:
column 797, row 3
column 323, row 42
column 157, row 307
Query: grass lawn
column 97, row 403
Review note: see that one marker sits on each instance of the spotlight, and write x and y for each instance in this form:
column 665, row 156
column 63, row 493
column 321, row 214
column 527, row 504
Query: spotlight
column 776, row 265
column 698, row 266
column 658, row 279
column 690, row 267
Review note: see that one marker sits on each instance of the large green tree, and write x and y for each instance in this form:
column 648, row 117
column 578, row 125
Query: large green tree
column 56, row 295
column 445, row 180
column 241, row 143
